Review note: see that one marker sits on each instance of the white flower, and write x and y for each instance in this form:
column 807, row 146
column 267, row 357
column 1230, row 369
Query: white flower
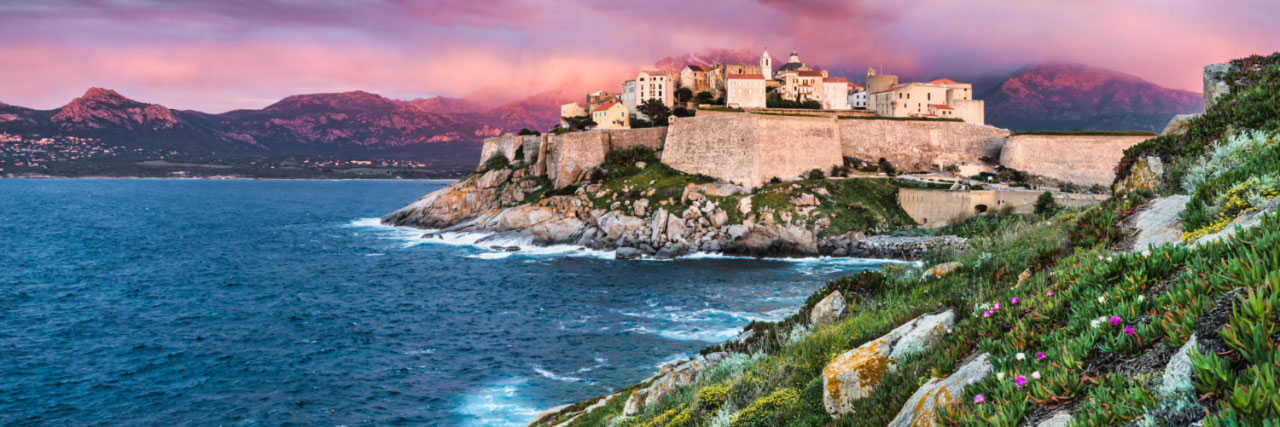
column 1108, row 259
column 1141, row 298
column 1035, row 375
column 1095, row 322
column 1020, row 356
column 1102, row 300
column 1000, row 375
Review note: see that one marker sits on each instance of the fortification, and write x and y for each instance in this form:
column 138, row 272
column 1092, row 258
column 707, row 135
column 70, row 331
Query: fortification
column 751, row 149
column 932, row 208
column 920, row 144
column 1078, row 159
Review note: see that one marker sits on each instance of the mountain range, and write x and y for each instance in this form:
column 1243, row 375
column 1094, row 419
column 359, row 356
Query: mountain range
column 446, row 130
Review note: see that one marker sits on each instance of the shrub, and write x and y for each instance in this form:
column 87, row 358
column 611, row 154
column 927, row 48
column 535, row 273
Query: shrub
column 496, row 161
column 815, row 174
column 1045, row 205
column 527, row 131
column 886, row 167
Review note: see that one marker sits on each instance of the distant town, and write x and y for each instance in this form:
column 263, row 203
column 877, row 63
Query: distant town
column 653, row 96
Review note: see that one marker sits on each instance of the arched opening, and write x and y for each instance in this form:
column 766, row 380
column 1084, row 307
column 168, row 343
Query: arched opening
column 980, row 208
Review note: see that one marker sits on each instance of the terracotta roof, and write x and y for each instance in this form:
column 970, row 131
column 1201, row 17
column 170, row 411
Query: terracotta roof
column 944, row 81
column 698, row 67
column 852, row 84
column 746, row 77
column 603, row 107
column 810, row 73
column 941, row 107
column 836, row 80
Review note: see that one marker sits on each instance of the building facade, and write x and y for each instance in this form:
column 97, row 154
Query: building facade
column 942, row 98
column 572, row 109
column 628, row 97
column 835, row 93
column 659, row 85
column 598, row 98
column 696, row 78
column 745, row 91
column 802, row 85
column 611, row 116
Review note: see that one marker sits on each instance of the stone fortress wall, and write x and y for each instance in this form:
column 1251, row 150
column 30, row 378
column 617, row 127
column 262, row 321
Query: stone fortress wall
column 932, row 208
column 1079, row 159
column 750, row 149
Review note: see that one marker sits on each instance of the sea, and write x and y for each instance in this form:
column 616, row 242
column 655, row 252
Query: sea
column 271, row 302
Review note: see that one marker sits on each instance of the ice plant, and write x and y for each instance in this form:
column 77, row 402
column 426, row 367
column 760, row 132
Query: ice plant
column 1020, row 356
column 979, row 398
column 1039, row 355
column 1128, row 330
column 986, row 313
column 1000, row 376
column 1049, row 293
column 1035, row 375
column 996, row 307
column 1102, row 300
column 1013, row 300
column 1020, row 381
column 1115, row 320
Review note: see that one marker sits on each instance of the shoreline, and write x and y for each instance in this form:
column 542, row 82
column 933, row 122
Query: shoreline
column 220, row 178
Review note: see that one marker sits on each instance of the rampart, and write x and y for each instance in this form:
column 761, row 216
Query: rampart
column 1078, row 159
column 919, row 144
column 932, row 208
column 751, row 149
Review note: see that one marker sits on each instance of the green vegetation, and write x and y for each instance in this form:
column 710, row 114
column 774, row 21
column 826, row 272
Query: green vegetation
column 1088, row 133
column 1068, row 323
column 858, row 204
column 1045, row 205
column 719, row 108
column 575, row 124
column 655, row 110
column 495, row 162
column 775, row 100
column 925, row 119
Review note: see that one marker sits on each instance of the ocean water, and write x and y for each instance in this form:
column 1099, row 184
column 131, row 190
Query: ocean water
column 207, row 302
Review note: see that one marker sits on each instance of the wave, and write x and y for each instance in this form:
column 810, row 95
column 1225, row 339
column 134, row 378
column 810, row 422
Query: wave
column 690, row 334
column 498, row 404
column 678, row 314
column 553, row 376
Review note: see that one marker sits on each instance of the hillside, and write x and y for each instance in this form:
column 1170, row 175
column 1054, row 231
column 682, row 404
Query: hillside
column 1064, row 96
column 1045, row 319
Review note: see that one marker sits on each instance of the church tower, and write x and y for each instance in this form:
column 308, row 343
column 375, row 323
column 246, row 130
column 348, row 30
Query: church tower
column 795, row 57
column 766, row 65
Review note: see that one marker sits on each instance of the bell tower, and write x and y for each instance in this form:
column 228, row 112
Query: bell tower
column 766, row 65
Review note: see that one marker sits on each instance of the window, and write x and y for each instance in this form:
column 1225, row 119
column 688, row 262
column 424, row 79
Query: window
column 928, row 96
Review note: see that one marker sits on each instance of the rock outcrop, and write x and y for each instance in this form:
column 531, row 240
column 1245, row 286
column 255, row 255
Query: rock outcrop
column 1158, row 224
column 670, row 377
column 1146, row 174
column 940, row 270
column 852, row 375
column 922, row 406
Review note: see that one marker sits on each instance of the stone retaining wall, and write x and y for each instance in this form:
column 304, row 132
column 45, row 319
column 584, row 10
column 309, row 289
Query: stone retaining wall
column 919, row 144
column 1078, row 159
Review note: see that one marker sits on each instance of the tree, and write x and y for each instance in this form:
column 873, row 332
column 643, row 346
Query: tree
column 684, row 94
column 1045, row 205
column 682, row 112
column 656, row 111
column 579, row 123
column 526, row 131
column 704, row 97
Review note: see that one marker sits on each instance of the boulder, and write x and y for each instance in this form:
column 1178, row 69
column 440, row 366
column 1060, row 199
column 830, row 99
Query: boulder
column 852, row 375
column 640, row 207
column 1145, row 174
column 719, row 218
column 1178, row 124
column 805, row 199
column 922, row 406
column 670, row 377
column 1060, row 418
column 1158, row 223
column 627, row 253
column 493, row 178
column 672, row 250
column 1022, row 277
column 736, row 231
column 1214, row 86
column 940, row 270
column 828, row 310
column 744, row 205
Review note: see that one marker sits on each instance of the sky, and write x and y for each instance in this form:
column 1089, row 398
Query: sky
column 217, row 56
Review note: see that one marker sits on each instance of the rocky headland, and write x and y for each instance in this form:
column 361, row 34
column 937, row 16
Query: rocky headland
column 639, row 207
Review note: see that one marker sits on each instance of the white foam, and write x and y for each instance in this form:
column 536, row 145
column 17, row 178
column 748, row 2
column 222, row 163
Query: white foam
column 552, row 375
column 689, row 334
column 499, row 404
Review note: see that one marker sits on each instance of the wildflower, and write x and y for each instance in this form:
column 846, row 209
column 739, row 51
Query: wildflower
column 1115, row 320
column 1000, row 376
column 1049, row 293
column 1128, row 330
column 1020, row 381
column 1102, row 299
column 1040, row 355
column 1109, row 259
column 986, row 313
column 979, row 398
column 996, row 307
column 1095, row 322
column 1013, row 300
column 1141, row 298
column 1035, row 375
column 1020, row 356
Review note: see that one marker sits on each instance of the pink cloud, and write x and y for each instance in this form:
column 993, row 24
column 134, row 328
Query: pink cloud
column 216, row 56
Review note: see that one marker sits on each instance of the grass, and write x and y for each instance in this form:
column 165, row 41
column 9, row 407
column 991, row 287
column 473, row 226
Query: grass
column 1088, row 133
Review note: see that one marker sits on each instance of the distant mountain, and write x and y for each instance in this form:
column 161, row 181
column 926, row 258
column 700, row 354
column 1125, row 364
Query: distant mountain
column 1064, row 96
column 712, row 56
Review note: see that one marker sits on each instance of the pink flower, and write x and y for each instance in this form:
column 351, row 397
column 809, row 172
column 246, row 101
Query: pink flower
column 979, row 398
column 1020, row 380
column 986, row 313
column 1128, row 330
column 1013, row 300
column 1115, row 320
column 997, row 306
column 1039, row 355
column 1048, row 294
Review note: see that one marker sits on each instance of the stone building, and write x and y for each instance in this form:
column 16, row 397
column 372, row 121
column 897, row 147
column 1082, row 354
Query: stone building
column 611, row 116
column 745, row 91
column 802, row 85
column 572, row 109
column 696, row 78
column 598, row 98
column 857, row 97
column 917, row 99
column 878, row 83
column 659, row 85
